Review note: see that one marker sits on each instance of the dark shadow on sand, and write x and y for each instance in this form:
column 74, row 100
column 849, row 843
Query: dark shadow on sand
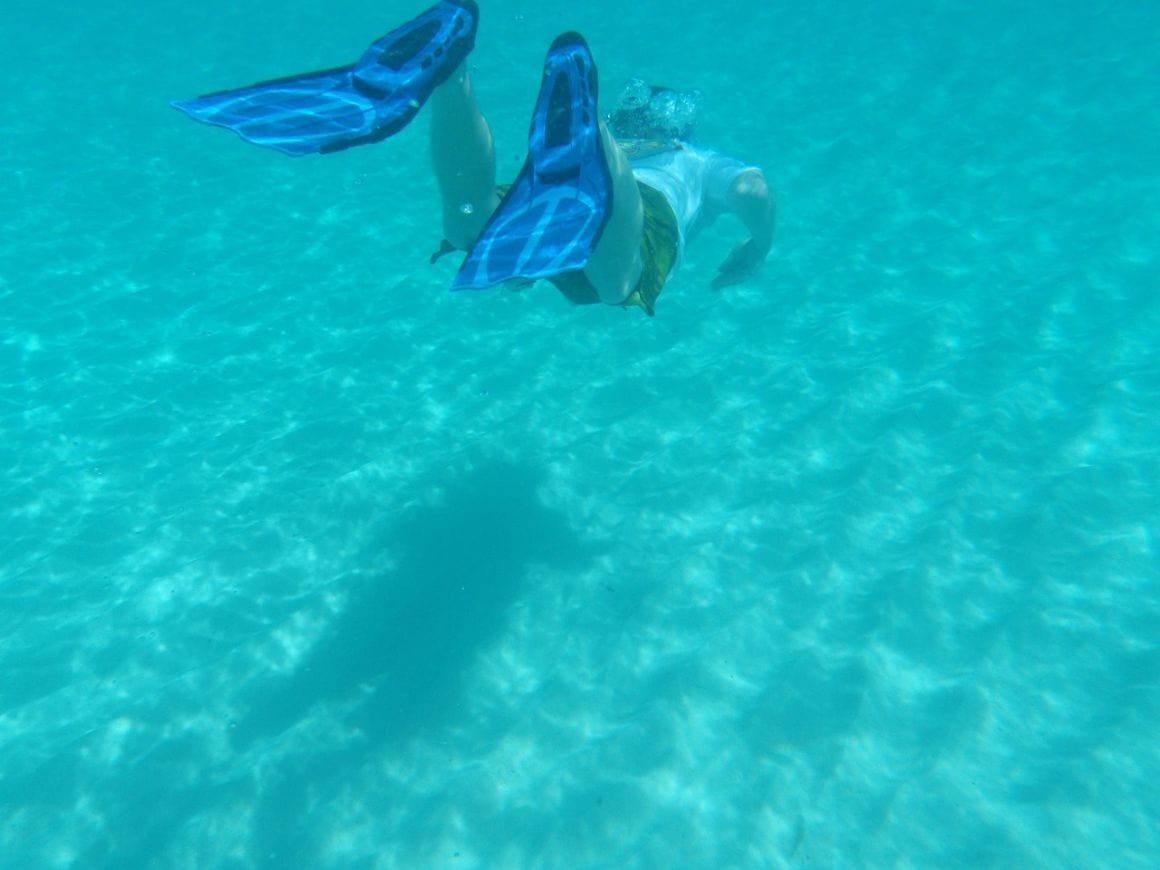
column 406, row 638
column 396, row 658
column 392, row 666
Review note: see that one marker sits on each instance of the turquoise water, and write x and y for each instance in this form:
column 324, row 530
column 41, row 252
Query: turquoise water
column 307, row 562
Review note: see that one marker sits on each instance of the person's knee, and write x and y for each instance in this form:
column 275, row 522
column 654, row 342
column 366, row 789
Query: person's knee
column 617, row 280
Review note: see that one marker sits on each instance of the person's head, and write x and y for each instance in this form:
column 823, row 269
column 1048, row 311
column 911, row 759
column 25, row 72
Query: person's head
column 654, row 112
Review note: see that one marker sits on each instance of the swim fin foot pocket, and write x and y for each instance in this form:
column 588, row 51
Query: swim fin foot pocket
column 367, row 101
column 552, row 217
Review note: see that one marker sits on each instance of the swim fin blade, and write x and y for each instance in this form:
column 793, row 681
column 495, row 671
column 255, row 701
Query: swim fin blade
column 367, row 101
column 552, row 217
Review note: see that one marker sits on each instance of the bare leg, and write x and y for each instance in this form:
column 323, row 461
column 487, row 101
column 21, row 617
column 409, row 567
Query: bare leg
column 464, row 161
column 614, row 267
column 464, row 158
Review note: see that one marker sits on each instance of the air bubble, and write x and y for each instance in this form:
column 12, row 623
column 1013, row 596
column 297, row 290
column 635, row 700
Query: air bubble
column 636, row 94
column 467, row 208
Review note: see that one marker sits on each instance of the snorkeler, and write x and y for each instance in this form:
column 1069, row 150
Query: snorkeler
column 601, row 208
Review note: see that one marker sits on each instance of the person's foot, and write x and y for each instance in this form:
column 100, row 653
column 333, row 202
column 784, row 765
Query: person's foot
column 421, row 54
column 401, row 70
column 565, row 134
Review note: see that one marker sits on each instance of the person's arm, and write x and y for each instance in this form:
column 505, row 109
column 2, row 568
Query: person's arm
column 752, row 201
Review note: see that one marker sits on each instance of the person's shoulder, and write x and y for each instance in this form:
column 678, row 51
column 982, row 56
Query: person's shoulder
column 642, row 149
column 707, row 154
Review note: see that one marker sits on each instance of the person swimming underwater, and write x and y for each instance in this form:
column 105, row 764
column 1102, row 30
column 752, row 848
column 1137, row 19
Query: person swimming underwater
column 602, row 207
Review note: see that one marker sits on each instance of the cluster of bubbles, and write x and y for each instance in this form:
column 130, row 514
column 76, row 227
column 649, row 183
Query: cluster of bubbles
column 647, row 111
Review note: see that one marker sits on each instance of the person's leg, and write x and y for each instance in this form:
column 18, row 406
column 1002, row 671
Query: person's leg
column 615, row 264
column 575, row 207
column 464, row 159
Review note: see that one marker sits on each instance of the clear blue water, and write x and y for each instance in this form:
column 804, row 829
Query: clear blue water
column 307, row 562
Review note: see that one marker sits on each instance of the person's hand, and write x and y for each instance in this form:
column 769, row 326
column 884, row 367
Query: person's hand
column 741, row 263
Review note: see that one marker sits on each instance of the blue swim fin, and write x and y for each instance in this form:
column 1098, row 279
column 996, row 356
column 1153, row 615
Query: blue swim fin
column 373, row 98
column 552, row 217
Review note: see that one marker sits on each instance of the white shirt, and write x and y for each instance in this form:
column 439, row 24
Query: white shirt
column 695, row 181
